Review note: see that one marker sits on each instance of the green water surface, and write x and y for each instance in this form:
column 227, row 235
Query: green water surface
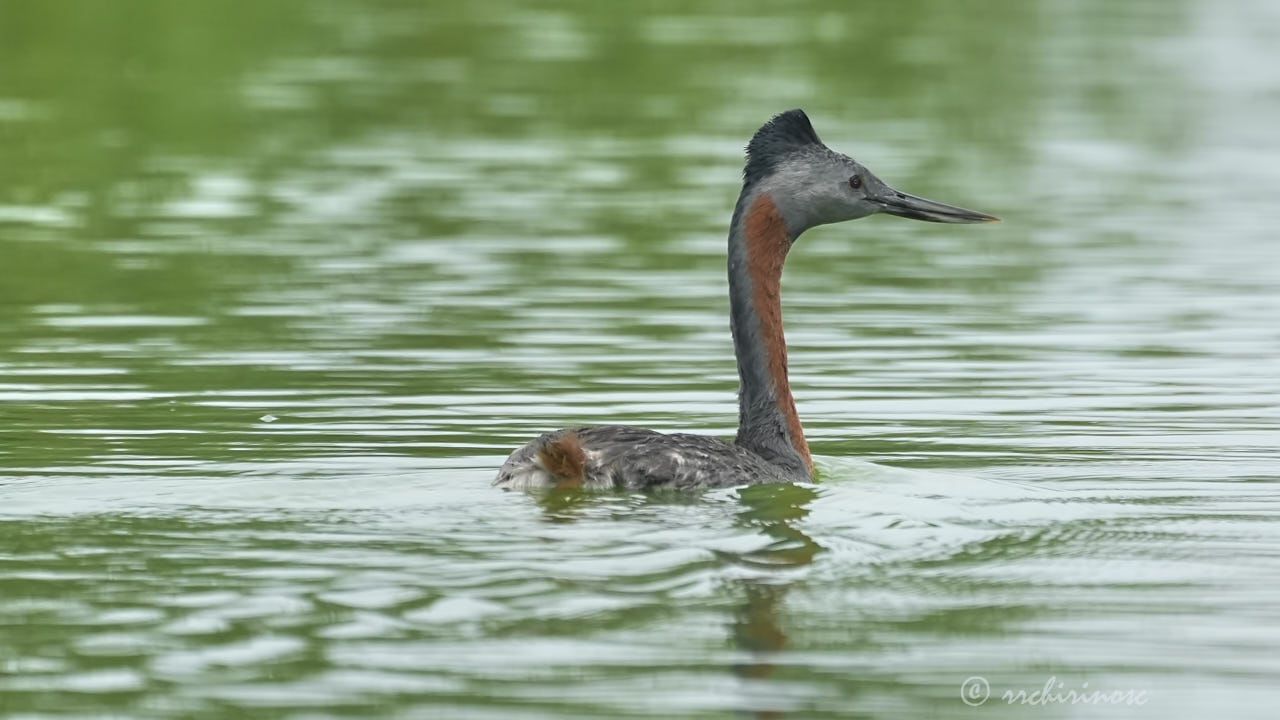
column 282, row 283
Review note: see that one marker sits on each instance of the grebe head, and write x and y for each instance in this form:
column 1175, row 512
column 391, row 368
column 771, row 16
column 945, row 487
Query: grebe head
column 812, row 184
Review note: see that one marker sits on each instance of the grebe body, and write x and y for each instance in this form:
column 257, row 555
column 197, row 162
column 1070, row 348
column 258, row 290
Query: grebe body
column 792, row 182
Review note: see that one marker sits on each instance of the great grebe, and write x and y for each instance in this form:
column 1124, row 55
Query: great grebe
column 792, row 182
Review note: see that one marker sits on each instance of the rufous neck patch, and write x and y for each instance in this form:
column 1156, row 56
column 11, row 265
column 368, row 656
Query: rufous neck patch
column 767, row 244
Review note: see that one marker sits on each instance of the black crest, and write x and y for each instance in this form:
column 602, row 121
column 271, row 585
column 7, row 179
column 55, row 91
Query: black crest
column 775, row 140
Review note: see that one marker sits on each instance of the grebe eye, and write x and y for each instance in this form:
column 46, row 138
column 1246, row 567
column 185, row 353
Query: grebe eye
column 855, row 182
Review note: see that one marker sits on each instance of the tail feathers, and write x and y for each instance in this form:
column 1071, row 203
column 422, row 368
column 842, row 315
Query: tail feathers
column 562, row 456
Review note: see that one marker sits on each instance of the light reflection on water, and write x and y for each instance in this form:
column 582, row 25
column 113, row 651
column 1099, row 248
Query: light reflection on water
column 1046, row 447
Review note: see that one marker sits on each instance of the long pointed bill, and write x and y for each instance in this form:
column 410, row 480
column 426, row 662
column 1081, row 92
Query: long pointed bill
column 918, row 208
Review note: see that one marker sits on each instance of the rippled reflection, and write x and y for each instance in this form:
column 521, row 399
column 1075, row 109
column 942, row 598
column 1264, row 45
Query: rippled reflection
column 284, row 282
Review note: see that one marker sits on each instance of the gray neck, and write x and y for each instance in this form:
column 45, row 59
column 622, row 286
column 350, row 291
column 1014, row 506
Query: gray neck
column 767, row 424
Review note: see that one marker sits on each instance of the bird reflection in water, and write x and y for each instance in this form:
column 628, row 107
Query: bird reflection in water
column 757, row 627
column 762, row 578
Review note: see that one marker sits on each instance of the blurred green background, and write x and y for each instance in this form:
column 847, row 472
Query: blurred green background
column 281, row 283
